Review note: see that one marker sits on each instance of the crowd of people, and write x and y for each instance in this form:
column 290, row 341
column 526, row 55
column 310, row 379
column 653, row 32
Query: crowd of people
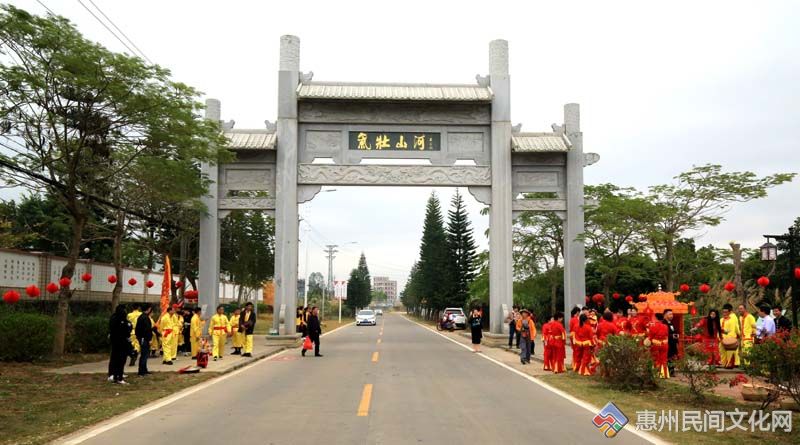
column 138, row 336
column 724, row 338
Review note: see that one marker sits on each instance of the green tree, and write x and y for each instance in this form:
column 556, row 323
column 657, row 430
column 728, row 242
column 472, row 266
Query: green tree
column 462, row 250
column 699, row 198
column 316, row 282
column 379, row 296
column 410, row 296
column 435, row 271
column 82, row 115
column 359, row 287
column 247, row 248
column 538, row 249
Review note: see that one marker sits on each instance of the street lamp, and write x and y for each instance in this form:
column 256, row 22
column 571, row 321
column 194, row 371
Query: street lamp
column 769, row 252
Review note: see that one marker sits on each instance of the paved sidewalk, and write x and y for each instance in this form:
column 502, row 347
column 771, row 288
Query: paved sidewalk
column 228, row 362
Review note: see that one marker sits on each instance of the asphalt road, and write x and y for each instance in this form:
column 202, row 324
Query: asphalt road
column 424, row 389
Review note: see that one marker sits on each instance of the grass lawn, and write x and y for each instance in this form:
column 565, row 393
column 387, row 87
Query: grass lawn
column 39, row 407
column 672, row 396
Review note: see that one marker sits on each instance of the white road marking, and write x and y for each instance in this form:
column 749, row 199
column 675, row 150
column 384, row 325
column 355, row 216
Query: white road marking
column 125, row 418
column 585, row 405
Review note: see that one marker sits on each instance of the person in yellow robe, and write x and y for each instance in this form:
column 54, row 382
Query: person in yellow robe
column 177, row 323
column 132, row 317
column 166, row 325
column 247, row 322
column 196, row 332
column 747, row 327
column 730, row 330
column 218, row 329
column 238, row 336
column 154, row 340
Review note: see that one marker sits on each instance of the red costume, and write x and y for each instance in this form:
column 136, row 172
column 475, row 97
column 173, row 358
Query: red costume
column 574, row 322
column 710, row 340
column 639, row 326
column 558, row 342
column 658, row 333
column 606, row 328
column 623, row 325
column 547, row 348
column 585, row 343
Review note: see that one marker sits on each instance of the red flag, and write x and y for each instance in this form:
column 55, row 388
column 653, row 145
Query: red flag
column 166, row 290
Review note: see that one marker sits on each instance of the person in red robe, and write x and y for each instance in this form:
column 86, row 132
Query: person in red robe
column 623, row 324
column 606, row 327
column 573, row 329
column 558, row 344
column 548, row 351
column 638, row 324
column 658, row 334
column 585, row 343
column 711, row 333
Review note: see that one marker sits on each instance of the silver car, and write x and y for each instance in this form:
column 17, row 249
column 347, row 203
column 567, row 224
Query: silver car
column 366, row 317
column 458, row 316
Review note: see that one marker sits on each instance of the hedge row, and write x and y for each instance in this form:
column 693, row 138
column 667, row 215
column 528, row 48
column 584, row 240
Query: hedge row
column 28, row 337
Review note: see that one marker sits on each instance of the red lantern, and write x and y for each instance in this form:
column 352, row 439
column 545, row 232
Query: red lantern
column 693, row 310
column 179, row 284
column 705, row 288
column 149, row 284
column 33, row 291
column 65, row 282
column 132, row 281
column 797, row 272
column 628, row 298
column 685, row 288
column 11, row 297
column 587, row 299
column 730, row 286
column 87, row 277
column 598, row 298
column 615, row 296
column 112, row 279
column 642, row 298
column 763, row 281
column 52, row 288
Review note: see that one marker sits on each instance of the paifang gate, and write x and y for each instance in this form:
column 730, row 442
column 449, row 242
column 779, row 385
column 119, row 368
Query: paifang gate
column 349, row 122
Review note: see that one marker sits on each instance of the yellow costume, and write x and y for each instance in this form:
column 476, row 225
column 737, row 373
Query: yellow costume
column 248, row 338
column 168, row 336
column 177, row 323
column 747, row 327
column 730, row 329
column 196, row 332
column 133, row 317
column 238, row 337
column 218, row 329
column 154, row 340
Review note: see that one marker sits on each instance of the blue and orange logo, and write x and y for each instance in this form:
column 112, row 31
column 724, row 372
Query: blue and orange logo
column 610, row 420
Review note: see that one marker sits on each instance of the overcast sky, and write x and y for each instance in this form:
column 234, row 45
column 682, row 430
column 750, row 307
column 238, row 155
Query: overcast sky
column 661, row 88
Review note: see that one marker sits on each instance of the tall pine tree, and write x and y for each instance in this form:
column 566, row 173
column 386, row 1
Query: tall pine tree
column 359, row 287
column 435, row 282
column 462, row 250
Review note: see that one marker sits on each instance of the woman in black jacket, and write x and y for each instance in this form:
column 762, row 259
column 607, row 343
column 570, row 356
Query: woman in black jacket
column 119, row 329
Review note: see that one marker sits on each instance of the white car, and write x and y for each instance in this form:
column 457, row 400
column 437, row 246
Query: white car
column 366, row 317
column 378, row 311
column 459, row 317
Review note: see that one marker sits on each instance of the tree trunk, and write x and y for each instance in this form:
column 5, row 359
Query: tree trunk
column 65, row 294
column 737, row 273
column 669, row 256
column 119, row 231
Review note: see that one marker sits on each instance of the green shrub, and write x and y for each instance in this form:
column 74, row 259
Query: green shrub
column 88, row 335
column 777, row 359
column 700, row 376
column 626, row 364
column 262, row 308
column 25, row 337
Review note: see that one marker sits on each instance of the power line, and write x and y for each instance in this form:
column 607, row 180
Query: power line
column 109, row 30
column 120, row 31
column 45, row 7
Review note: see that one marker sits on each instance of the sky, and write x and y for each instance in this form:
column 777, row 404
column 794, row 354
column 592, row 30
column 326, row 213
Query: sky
column 662, row 87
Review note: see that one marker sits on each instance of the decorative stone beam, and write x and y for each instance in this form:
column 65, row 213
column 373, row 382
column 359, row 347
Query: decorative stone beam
column 246, row 204
column 540, row 205
column 390, row 175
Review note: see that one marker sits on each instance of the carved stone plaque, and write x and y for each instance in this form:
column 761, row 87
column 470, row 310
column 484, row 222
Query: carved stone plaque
column 429, row 175
column 468, row 143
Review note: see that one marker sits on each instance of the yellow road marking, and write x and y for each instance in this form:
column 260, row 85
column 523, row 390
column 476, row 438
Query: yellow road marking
column 375, row 357
column 366, row 396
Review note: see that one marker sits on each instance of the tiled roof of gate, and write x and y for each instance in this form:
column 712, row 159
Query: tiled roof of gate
column 394, row 91
column 539, row 142
column 251, row 139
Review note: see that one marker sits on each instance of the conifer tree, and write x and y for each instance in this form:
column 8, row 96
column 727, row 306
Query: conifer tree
column 435, row 271
column 462, row 250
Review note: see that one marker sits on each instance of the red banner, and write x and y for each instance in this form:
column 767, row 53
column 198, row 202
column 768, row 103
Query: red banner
column 166, row 285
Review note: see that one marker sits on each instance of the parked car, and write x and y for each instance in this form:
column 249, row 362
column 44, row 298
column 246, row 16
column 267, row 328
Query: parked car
column 460, row 318
column 366, row 317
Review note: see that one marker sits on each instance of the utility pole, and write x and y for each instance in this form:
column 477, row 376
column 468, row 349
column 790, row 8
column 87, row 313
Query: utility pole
column 330, row 251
